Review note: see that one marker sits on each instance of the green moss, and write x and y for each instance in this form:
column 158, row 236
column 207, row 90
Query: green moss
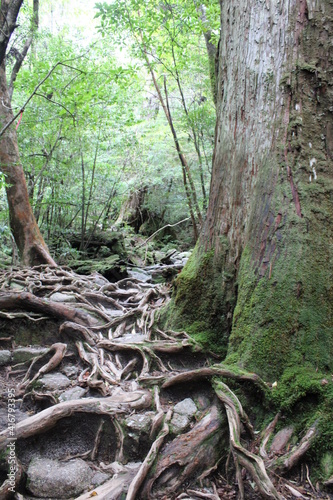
column 297, row 383
column 203, row 300
column 284, row 317
column 304, row 66
column 326, row 464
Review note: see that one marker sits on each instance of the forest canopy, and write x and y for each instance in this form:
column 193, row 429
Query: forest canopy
column 95, row 132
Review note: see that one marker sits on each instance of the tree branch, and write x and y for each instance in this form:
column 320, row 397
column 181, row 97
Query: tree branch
column 34, row 93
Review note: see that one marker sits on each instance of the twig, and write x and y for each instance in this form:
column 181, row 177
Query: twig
column 161, row 229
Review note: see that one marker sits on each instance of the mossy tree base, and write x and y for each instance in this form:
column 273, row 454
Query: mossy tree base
column 258, row 287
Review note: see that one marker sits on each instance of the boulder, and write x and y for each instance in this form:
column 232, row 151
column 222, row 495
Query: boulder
column 54, row 381
column 139, row 274
column 74, row 393
column 5, row 357
column 139, row 424
column 186, row 407
column 62, row 297
column 53, row 479
column 22, row 354
column 182, row 415
column 71, row 371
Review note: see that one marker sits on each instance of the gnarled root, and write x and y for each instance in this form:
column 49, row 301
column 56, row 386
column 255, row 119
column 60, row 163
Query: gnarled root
column 149, row 460
column 120, row 402
column 250, row 461
column 59, row 350
column 185, row 457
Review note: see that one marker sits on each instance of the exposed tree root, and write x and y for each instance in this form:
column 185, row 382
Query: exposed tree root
column 59, row 353
column 149, row 460
column 121, row 354
column 211, row 372
column 120, row 402
column 267, row 435
column 251, row 462
column 30, row 302
column 289, row 460
column 187, row 455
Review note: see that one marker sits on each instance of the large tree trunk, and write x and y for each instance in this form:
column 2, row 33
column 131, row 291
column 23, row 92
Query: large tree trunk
column 260, row 279
column 30, row 243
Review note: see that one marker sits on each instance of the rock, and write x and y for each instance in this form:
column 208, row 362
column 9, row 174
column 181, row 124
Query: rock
column 52, row 479
column 183, row 412
column 5, row 357
column 186, row 407
column 139, row 274
column 184, row 255
column 179, row 423
column 23, row 354
column 74, row 393
column 139, row 423
column 54, row 381
column 62, row 297
column 70, row 371
column 281, row 439
column 99, row 478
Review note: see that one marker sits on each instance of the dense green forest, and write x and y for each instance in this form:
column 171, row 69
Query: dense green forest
column 166, row 251
column 94, row 135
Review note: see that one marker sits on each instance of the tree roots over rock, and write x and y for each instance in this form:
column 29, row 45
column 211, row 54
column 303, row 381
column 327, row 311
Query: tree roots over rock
column 125, row 366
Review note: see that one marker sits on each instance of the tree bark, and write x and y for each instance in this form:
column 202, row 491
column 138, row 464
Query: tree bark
column 265, row 252
column 30, row 243
column 20, row 56
column 8, row 17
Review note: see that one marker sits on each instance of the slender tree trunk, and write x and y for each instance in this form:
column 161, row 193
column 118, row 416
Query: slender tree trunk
column 195, row 138
column 185, row 169
column 260, row 279
column 30, row 243
column 20, row 56
column 212, row 50
column 189, row 189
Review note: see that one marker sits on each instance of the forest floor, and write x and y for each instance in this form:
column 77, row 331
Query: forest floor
column 98, row 400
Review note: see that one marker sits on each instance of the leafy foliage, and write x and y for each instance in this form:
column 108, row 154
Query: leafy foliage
column 94, row 131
